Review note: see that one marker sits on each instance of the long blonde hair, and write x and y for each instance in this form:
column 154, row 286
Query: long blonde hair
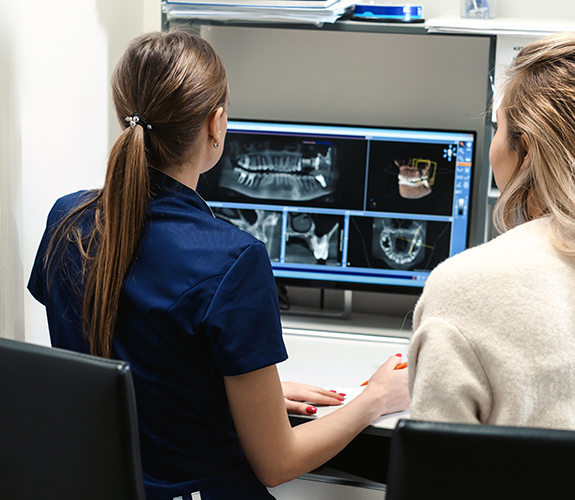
column 176, row 82
column 539, row 104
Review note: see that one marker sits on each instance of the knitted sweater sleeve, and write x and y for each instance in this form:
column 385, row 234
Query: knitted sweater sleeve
column 446, row 380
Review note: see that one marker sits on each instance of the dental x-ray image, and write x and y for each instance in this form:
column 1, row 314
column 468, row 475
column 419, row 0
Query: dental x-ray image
column 265, row 225
column 288, row 170
column 400, row 243
column 313, row 238
column 280, row 170
column 397, row 243
column 411, row 178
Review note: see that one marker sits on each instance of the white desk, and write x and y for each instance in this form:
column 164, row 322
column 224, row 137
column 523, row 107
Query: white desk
column 336, row 359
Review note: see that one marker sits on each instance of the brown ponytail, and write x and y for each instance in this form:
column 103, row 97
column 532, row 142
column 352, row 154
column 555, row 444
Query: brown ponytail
column 175, row 81
column 118, row 224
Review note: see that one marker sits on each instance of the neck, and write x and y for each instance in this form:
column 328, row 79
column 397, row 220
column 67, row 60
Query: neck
column 188, row 172
column 184, row 174
column 201, row 158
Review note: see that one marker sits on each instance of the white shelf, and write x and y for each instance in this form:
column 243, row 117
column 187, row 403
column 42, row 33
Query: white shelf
column 499, row 26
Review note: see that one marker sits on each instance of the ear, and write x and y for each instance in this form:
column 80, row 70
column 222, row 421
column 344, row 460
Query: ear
column 526, row 146
column 215, row 125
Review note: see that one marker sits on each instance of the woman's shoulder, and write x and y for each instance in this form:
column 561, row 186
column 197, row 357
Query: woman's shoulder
column 182, row 213
column 186, row 231
column 508, row 250
column 233, row 241
column 221, row 235
column 500, row 264
column 67, row 203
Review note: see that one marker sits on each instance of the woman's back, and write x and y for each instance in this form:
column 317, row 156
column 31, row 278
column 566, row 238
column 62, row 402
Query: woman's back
column 494, row 340
column 188, row 315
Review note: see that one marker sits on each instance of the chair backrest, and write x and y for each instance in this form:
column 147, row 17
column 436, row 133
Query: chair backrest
column 68, row 426
column 464, row 461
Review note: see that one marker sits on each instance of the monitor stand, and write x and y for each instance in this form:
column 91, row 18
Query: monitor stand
column 344, row 313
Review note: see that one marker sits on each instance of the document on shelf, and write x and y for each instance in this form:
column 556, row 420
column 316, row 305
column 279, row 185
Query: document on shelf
column 257, row 3
column 388, row 421
column 299, row 13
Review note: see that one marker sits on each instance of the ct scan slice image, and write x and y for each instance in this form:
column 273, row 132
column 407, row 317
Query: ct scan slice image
column 265, row 225
column 397, row 243
column 280, row 169
column 288, row 170
column 313, row 238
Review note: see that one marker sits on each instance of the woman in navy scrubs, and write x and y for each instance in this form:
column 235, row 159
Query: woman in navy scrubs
column 142, row 271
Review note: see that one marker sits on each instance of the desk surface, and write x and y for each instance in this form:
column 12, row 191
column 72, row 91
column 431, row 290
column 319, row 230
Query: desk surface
column 333, row 359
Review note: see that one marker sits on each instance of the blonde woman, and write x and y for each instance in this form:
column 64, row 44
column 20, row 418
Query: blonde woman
column 494, row 339
column 142, row 271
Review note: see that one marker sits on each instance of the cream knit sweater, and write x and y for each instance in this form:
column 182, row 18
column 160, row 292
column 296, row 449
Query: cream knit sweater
column 494, row 337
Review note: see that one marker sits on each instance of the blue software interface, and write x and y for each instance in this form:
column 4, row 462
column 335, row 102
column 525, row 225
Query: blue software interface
column 346, row 206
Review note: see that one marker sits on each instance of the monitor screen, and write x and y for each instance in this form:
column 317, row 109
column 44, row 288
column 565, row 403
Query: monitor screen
column 346, row 206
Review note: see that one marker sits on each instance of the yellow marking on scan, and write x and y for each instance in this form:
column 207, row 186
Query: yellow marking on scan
column 412, row 242
column 426, row 163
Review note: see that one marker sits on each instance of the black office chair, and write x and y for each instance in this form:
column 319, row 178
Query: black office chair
column 483, row 462
column 68, row 426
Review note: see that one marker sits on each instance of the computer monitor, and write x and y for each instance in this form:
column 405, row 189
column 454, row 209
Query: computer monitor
column 350, row 207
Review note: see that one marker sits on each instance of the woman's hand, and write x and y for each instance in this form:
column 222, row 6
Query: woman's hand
column 299, row 396
column 389, row 386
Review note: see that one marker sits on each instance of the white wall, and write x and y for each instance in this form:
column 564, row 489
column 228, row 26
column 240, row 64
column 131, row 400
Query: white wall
column 56, row 124
column 11, row 309
column 62, row 57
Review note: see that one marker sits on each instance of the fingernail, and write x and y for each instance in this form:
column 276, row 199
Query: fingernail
column 332, row 391
column 398, row 355
column 341, row 393
column 340, row 399
column 311, row 409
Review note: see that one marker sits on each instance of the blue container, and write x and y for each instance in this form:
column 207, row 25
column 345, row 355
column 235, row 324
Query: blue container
column 389, row 13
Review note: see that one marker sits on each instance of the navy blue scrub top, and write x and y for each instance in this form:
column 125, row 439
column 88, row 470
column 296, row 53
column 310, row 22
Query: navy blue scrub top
column 199, row 303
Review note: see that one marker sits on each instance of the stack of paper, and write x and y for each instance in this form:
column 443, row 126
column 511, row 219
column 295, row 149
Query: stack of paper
column 302, row 11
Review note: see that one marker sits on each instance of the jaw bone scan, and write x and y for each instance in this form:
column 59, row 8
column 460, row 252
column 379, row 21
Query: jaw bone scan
column 287, row 169
column 399, row 242
column 264, row 225
column 307, row 242
column 415, row 177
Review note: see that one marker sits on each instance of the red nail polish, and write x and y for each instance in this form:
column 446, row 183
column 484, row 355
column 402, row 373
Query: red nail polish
column 398, row 355
column 340, row 399
column 311, row 409
column 341, row 393
column 332, row 391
